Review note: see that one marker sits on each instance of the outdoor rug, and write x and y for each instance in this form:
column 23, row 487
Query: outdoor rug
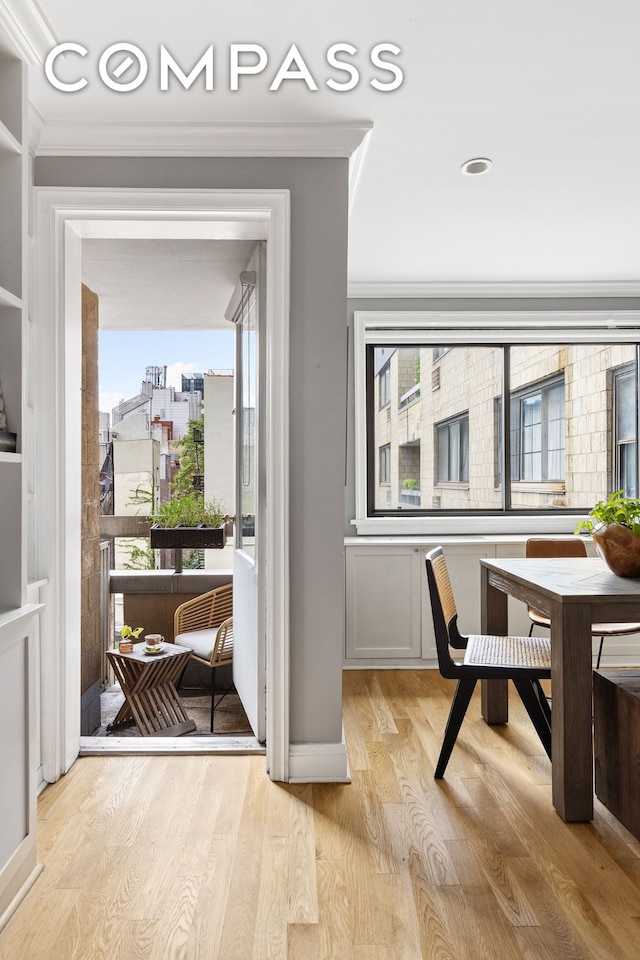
column 230, row 718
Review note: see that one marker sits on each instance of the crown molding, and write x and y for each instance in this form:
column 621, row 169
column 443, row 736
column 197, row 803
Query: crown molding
column 374, row 290
column 134, row 139
column 27, row 29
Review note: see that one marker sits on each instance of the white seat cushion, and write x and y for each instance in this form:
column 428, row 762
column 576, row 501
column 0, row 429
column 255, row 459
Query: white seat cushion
column 200, row 641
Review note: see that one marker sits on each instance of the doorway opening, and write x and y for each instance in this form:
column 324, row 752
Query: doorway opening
column 166, row 371
column 213, row 215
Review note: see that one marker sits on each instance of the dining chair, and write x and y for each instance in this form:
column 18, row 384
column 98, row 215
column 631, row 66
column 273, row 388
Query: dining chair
column 547, row 548
column 526, row 661
column 205, row 623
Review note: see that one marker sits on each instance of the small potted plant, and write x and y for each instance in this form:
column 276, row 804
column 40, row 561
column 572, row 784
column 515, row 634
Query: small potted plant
column 127, row 636
column 615, row 528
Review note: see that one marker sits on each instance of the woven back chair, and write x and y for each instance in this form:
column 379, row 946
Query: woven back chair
column 205, row 624
column 540, row 547
column 525, row 660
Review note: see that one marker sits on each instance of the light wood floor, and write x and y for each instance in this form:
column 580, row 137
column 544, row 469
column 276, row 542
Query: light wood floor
column 205, row 858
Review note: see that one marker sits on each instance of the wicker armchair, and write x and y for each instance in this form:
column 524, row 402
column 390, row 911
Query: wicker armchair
column 205, row 624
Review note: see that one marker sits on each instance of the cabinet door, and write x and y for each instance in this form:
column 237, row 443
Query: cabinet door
column 463, row 564
column 383, row 602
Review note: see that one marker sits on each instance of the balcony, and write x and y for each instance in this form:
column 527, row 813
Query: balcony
column 409, row 397
column 148, row 598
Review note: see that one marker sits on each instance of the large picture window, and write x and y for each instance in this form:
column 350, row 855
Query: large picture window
column 564, row 397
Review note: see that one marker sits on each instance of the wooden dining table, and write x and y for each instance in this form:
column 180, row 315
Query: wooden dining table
column 574, row 592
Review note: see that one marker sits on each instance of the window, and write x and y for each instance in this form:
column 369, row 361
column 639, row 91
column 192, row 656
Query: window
column 385, row 386
column 625, row 419
column 545, row 378
column 452, row 450
column 537, row 433
column 385, row 463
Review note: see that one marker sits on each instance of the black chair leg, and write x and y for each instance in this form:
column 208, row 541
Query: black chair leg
column 599, row 653
column 459, row 704
column 213, row 694
column 533, row 706
column 531, row 628
column 544, row 700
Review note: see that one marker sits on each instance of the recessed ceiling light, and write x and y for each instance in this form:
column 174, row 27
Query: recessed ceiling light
column 476, row 166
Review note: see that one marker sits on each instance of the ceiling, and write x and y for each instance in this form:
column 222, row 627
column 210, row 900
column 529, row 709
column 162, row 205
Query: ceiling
column 549, row 91
column 164, row 284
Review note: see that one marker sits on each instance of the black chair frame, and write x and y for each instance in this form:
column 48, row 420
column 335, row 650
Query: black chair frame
column 526, row 679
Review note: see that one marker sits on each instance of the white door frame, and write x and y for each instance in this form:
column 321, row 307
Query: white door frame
column 63, row 217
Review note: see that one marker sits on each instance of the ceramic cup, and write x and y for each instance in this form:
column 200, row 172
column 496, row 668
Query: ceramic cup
column 153, row 640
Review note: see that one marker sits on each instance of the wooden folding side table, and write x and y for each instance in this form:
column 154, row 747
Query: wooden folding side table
column 148, row 683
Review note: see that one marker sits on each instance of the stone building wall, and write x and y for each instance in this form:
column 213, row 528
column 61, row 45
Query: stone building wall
column 91, row 650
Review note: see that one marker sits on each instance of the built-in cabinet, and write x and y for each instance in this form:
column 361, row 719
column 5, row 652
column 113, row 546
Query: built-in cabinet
column 388, row 609
column 18, row 616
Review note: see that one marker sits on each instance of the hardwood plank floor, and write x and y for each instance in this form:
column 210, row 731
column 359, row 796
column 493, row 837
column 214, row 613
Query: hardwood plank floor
column 156, row 858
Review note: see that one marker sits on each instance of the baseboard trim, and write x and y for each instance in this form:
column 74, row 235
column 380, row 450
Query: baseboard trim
column 319, row 763
column 21, row 894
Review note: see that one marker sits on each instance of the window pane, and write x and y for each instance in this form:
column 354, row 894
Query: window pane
column 626, row 407
column 464, row 448
column 443, row 454
column 627, row 472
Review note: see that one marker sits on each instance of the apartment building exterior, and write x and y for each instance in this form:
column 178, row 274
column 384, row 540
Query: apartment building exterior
column 437, row 426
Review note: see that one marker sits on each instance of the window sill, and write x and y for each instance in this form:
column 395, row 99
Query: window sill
column 438, row 526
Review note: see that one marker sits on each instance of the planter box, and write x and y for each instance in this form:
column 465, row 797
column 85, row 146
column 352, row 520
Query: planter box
column 188, row 538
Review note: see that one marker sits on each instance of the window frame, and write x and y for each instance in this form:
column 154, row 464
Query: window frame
column 541, row 388
column 476, row 328
column 447, row 424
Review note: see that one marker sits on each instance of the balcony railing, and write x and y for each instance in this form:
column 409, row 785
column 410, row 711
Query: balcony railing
column 411, row 498
column 410, row 396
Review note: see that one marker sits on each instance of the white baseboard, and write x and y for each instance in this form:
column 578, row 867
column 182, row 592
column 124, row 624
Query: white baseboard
column 23, row 890
column 319, row 763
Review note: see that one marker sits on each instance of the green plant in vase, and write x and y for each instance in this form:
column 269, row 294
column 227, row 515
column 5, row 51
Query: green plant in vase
column 614, row 524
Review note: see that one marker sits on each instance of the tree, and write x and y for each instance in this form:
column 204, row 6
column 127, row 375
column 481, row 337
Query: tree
column 140, row 558
column 190, row 477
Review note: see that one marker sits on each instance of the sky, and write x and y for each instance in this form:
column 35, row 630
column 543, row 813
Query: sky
column 124, row 355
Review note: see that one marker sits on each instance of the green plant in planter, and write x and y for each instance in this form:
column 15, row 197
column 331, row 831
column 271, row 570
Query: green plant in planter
column 127, row 631
column 619, row 509
column 410, row 483
column 189, row 510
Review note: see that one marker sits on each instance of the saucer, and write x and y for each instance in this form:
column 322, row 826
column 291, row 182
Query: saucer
column 157, row 649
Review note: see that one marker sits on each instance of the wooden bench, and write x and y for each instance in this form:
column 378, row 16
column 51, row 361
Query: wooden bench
column 616, row 742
